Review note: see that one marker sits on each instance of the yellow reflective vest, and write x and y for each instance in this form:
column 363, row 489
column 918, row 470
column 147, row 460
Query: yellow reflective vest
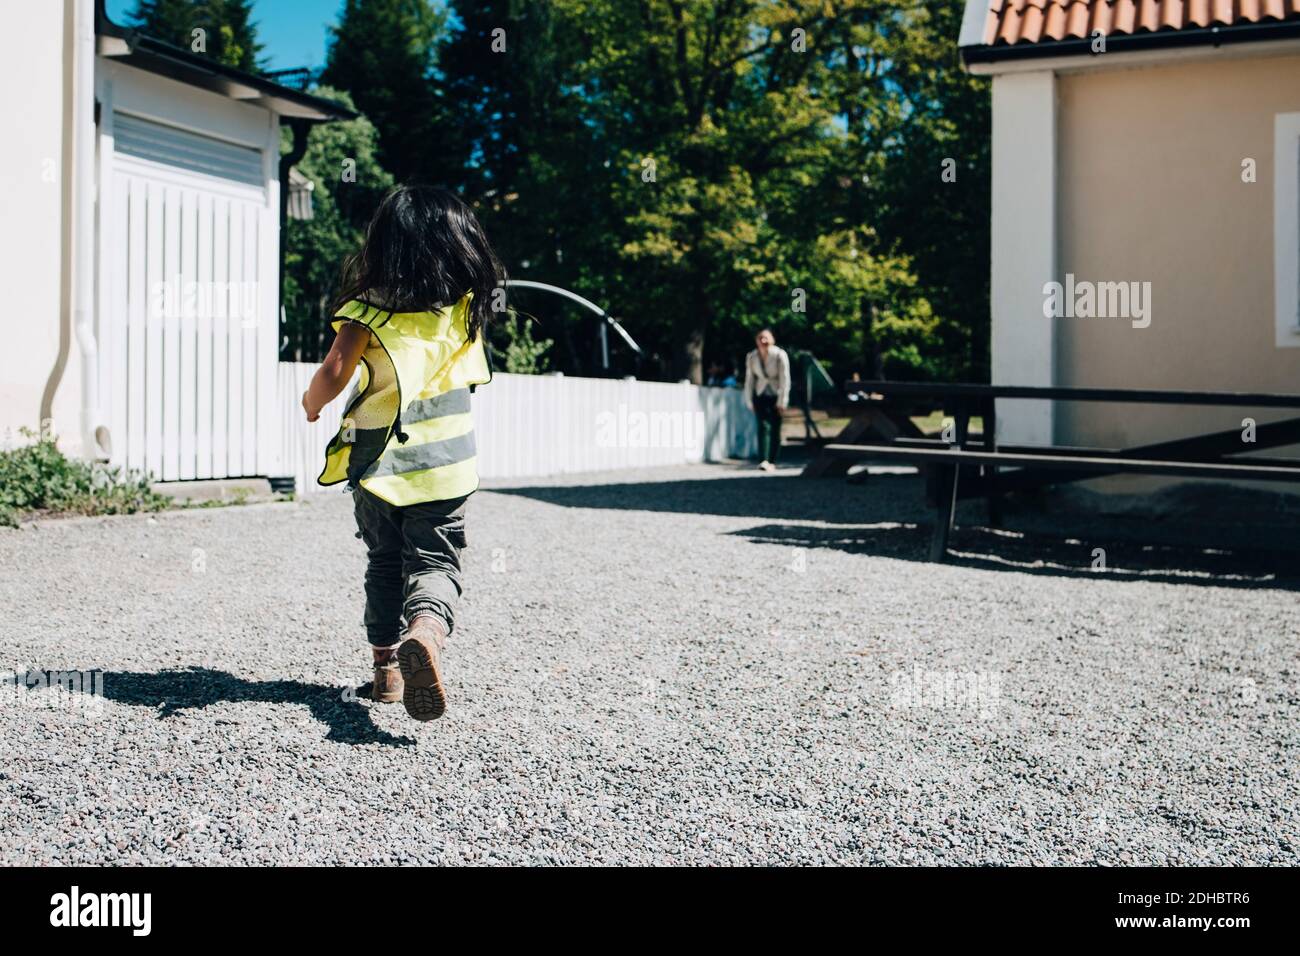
column 414, row 443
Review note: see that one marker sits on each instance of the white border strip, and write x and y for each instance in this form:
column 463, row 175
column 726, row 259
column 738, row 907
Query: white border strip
column 1286, row 228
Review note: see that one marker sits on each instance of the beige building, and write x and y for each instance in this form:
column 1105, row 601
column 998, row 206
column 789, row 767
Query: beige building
column 1146, row 207
column 141, row 195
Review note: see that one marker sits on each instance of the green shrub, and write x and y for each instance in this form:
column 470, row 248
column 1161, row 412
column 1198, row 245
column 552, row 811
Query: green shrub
column 38, row 478
column 524, row 355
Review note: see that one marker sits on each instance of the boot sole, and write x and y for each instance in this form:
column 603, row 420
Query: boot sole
column 423, row 694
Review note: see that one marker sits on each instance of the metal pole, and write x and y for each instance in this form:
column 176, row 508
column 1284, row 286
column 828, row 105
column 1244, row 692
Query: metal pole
column 606, row 318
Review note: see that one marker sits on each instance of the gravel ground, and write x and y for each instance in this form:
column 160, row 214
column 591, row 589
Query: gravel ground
column 699, row 665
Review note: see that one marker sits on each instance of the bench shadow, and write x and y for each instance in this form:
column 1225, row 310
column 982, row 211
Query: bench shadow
column 999, row 549
column 886, row 515
column 781, row 496
column 172, row 691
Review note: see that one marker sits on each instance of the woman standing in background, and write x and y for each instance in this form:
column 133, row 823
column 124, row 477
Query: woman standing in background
column 767, row 392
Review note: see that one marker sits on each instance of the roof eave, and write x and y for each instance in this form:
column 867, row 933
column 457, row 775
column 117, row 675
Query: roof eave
column 1081, row 47
column 156, row 56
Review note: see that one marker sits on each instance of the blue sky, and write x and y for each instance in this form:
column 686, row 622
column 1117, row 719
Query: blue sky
column 293, row 31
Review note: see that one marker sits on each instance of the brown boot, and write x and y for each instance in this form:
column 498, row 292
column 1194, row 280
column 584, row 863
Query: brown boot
column 386, row 688
column 423, row 694
column 387, row 685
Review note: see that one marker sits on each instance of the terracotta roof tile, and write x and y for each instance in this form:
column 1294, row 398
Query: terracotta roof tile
column 1031, row 21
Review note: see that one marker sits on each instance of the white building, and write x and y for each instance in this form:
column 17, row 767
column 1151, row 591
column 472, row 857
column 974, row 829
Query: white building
column 141, row 198
column 1151, row 147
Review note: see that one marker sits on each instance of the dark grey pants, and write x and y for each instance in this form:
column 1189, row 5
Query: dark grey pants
column 414, row 562
column 769, row 428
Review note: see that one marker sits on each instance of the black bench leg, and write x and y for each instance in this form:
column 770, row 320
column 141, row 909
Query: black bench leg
column 991, row 471
column 945, row 513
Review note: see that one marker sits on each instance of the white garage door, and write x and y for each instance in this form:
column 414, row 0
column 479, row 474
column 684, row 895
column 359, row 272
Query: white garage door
column 187, row 325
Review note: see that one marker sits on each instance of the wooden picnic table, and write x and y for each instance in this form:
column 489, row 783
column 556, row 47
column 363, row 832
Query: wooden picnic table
column 976, row 465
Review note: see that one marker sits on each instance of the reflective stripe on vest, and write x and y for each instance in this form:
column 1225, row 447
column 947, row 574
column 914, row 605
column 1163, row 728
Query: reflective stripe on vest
column 429, row 454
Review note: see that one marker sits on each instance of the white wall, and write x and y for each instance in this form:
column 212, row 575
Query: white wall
column 539, row 425
column 529, row 425
column 1024, row 248
column 1170, row 205
column 187, row 391
column 33, row 72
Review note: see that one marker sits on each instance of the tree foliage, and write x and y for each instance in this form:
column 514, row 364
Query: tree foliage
column 348, row 181
column 383, row 53
column 229, row 37
column 709, row 167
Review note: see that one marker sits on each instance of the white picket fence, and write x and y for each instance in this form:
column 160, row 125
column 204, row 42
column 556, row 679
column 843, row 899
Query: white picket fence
column 537, row 425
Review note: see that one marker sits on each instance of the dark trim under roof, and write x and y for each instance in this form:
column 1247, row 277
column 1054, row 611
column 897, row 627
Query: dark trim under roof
column 1119, row 42
column 147, row 53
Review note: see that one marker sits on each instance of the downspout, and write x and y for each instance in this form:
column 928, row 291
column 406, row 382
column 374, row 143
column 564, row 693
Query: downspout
column 94, row 431
column 76, row 282
column 66, row 161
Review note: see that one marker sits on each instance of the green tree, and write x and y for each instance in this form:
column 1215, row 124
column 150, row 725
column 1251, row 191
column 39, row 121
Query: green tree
column 237, row 34
column 170, row 20
column 919, row 129
column 738, row 186
column 705, row 167
column 518, row 142
column 348, row 181
column 229, row 37
column 383, row 53
column 936, row 188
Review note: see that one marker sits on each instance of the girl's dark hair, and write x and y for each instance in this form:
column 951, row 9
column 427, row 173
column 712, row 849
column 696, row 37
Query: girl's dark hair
column 424, row 249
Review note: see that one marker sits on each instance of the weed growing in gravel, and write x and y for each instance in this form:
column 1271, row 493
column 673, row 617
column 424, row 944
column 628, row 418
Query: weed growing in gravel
column 37, row 477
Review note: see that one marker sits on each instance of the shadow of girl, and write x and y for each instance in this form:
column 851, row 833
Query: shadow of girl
column 171, row 691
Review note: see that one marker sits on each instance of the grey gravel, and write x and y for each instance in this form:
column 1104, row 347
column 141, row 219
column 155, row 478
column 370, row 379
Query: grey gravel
column 699, row 665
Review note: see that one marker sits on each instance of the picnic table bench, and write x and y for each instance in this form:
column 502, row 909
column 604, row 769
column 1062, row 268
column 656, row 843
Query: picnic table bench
column 973, row 465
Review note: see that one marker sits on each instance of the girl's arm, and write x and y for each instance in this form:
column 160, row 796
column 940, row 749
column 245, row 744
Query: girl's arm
column 336, row 371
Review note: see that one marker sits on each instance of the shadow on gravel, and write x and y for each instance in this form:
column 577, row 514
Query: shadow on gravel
column 1035, row 553
column 171, row 691
column 784, row 496
column 1189, row 535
